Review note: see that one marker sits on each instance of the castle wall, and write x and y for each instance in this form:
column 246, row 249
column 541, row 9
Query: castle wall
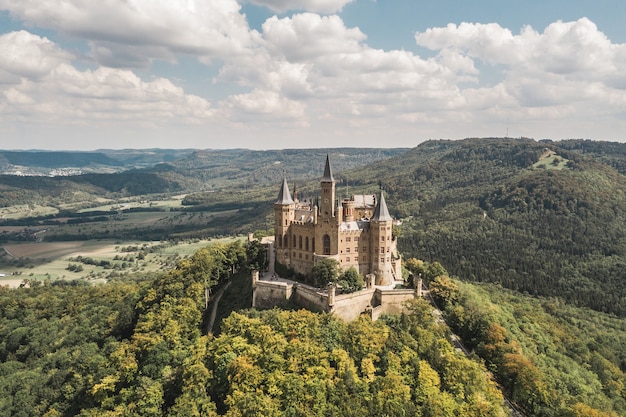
column 301, row 254
column 309, row 298
column 392, row 301
column 349, row 307
column 268, row 294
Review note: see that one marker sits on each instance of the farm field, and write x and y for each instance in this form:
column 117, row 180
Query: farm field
column 94, row 260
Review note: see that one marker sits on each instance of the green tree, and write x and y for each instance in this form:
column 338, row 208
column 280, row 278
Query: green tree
column 444, row 291
column 325, row 271
column 351, row 281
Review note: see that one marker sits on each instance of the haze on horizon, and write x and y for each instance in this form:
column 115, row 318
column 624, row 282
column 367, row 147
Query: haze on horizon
column 272, row 74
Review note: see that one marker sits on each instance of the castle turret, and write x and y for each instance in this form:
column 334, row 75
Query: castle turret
column 348, row 210
column 284, row 214
column 380, row 229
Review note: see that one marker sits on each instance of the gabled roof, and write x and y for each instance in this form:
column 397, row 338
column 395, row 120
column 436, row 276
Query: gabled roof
column 381, row 214
column 284, row 196
column 328, row 172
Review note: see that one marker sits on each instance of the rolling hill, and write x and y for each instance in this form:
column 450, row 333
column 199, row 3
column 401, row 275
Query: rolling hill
column 546, row 218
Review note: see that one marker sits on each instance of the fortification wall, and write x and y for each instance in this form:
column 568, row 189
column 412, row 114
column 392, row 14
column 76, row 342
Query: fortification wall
column 348, row 307
column 392, row 301
column 267, row 294
column 309, row 298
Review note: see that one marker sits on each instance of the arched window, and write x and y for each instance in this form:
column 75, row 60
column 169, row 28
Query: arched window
column 326, row 245
column 306, row 243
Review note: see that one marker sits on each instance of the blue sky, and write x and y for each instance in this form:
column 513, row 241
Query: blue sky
column 269, row 74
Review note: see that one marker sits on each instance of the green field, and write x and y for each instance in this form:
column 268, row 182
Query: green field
column 92, row 260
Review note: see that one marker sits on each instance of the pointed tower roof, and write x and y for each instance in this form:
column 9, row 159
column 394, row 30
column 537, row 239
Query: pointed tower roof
column 284, row 196
column 381, row 213
column 328, row 172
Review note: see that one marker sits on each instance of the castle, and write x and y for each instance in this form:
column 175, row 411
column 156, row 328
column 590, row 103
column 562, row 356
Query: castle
column 355, row 231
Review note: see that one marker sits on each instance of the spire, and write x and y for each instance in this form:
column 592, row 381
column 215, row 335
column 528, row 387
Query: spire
column 381, row 214
column 328, row 172
column 284, row 196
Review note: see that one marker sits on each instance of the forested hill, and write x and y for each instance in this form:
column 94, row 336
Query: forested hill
column 547, row 218
column 113, row 174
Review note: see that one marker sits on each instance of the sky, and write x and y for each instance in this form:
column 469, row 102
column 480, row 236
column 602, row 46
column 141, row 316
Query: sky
column 274, row 74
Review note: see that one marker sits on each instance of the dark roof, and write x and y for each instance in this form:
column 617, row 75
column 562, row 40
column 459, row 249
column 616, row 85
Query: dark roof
column 284, row 196
column 381, row 214
column 328, row 172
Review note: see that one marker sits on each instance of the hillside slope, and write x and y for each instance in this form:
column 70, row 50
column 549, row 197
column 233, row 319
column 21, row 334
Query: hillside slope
column 538, row 217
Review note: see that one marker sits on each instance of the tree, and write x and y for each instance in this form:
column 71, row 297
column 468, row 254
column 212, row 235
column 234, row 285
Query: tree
column 444, row 291
column 257, row 256
column 351, row 281
column 325, row 271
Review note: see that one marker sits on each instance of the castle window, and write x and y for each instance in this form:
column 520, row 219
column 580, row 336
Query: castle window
column 382, row 249
column 285, row 222
column 348, row 259
column 300, row 242
column 294, row 241
column 326, row 245
column 347, row 250
column 356, row 238
column 364, row 258
column 306, row 243
column 356, row 249
column 387, row 249
column 382, row 259
column 348, row 239
column 286, row 244
column 382, row 238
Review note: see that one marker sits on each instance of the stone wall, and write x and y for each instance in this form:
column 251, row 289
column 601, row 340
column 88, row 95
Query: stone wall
column 268, row 294
column 348, row 307
column 310, row 298
column 392, row 301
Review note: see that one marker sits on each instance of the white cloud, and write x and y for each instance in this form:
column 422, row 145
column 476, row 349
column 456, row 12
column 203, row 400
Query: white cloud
column 318, row 6
column 570, row 70
column 135, row 32
column 27, row 55
column 310, row 36
column 46, row 87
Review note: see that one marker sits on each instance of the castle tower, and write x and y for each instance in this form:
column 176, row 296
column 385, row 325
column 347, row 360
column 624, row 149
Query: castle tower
column 284, row 214
column 381, row 243
column 327, row 207
column 327, row 232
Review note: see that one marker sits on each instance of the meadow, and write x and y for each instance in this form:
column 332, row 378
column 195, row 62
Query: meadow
column 92, row 260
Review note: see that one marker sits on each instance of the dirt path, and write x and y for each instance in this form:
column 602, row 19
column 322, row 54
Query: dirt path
column 215, row 299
